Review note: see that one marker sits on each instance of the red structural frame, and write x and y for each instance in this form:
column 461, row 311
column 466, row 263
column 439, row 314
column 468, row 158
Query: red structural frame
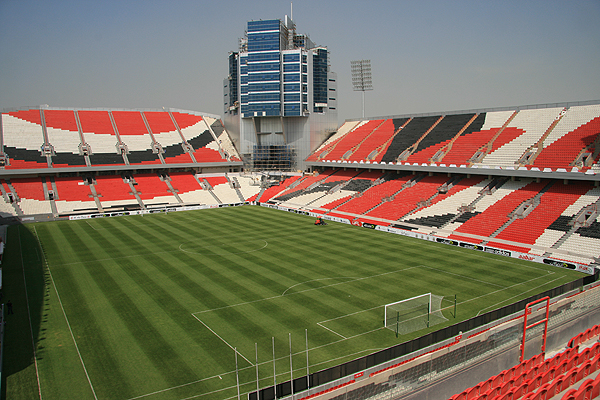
column 542, row 321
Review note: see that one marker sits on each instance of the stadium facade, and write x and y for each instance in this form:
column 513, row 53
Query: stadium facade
column 280, row 96
column 523, row 182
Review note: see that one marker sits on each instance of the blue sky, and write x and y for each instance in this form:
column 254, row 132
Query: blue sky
column 426, row 56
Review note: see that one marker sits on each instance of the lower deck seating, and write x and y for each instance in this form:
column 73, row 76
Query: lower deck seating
column 274, row 190
column 409, row 198
column 552, row 203
column 373, row 196
column 494, row 216
column 562, row 376
column 29, row 188
column 112, row 188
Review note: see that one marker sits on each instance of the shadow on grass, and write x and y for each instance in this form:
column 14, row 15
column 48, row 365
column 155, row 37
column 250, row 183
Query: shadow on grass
column 24, row 284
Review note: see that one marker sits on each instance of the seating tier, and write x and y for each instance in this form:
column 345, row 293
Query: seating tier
column 352, row 139
column 552, row 203
column 29, row 188
column 496, row 214
column 407, row 199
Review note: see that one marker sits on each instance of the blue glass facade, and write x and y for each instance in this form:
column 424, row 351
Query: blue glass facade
column 286, row 96
column 260, row 77
column 276, row 67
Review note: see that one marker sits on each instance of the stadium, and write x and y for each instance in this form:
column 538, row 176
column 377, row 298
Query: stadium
column 173, row 254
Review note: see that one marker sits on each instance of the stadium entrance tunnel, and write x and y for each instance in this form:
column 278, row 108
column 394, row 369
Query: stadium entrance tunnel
column 223, row 247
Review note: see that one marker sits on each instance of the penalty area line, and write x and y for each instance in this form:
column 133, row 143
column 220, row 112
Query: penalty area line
column 224, row 341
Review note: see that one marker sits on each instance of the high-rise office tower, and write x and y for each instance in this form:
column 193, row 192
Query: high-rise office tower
column 280, row 97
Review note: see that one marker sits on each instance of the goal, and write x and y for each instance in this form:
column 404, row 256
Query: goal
column 416, row 313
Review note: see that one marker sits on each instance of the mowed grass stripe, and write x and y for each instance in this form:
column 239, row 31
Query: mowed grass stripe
column 88, row 329
column 159, row 352
column 148, row 277
column 326, row 272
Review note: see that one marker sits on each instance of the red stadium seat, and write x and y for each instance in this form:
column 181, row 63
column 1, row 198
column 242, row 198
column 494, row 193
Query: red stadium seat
column 569, row 395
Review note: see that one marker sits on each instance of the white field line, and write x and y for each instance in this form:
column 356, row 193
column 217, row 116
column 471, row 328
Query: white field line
column 334, row 342
column 332, row 331
column 305, row 290
column 224, row 341
column 92, row 226
column 529, row 290
column 122, row 257
column 462, row 302
column 189, row 384
column 184, row 385
column 343, row 316
column 464, row 277
column 66, row 319
column 531, row 265
column 273, row 297
column 37, row 372
column 315, row 280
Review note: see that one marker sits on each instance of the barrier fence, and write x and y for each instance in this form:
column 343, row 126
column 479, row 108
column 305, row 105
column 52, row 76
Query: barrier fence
column 354, row 368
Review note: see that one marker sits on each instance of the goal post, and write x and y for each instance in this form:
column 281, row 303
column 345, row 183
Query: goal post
column 416, row 313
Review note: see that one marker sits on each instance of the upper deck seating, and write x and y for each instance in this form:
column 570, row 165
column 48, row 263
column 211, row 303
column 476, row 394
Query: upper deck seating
column 98, row 132
column 63, row 135
column 442, row 133
column 195, row 131
column 577, row 129
column 471, row 140
column 134, row 133
column 510, row 146
column 380, row 135
column 23, row 139
column 111, row 137
column 408, row 136
column 166, row 134
column 349, row 141
column 332, row 141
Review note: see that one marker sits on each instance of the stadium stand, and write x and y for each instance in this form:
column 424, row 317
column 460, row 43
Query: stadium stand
column 23, row 139
column 372, row 197
column 449, row 127
column 152, row 190
column 59, row 138
column 506, row 196
column 343, row 148
column 409, row 198
column 561, row 376
column 368, row 148
column 63, row 135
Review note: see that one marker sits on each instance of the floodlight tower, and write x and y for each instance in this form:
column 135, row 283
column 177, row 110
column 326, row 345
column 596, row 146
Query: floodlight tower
column 361, row 78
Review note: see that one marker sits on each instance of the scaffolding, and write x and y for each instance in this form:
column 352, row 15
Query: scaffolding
column 273, row 158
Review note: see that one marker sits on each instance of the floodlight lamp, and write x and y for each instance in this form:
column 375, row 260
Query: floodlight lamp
column 361, row 75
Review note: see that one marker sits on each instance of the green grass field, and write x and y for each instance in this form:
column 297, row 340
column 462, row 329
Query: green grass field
column 151, row 307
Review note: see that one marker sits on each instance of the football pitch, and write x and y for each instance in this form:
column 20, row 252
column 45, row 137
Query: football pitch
column 152, row 307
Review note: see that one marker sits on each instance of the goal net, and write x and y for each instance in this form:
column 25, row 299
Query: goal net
column 414, row 314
